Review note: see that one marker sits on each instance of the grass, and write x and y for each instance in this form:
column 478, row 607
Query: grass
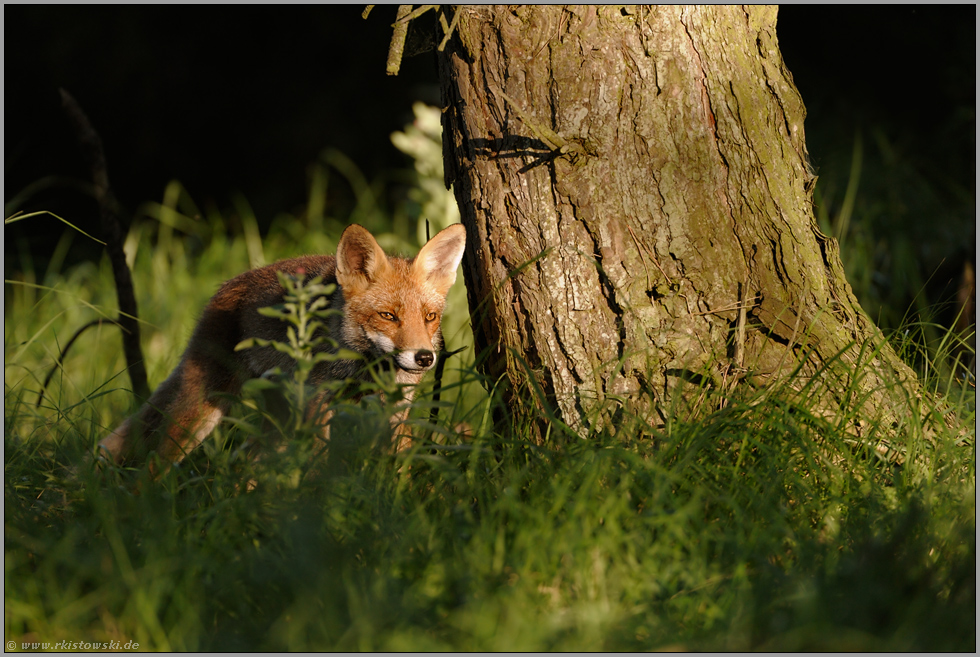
column 905, row 223
column 751, row 525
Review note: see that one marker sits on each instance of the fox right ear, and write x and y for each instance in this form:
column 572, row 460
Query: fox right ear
column 360, row 259
column 438, row 259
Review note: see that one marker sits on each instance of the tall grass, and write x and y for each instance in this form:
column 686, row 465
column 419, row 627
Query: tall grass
column 904, row 228
column 752, row 524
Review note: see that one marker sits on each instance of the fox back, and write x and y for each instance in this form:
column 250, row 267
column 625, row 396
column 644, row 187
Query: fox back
column 389, row 308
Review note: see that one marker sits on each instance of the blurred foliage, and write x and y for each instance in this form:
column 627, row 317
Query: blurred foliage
column 904, row 236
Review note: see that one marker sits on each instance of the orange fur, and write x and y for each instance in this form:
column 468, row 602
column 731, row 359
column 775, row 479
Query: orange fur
column 391, row 307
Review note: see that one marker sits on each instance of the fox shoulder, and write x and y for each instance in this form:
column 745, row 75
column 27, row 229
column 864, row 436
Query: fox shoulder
column 260, row 287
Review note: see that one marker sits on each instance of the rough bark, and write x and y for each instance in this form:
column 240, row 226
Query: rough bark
column 635, row 186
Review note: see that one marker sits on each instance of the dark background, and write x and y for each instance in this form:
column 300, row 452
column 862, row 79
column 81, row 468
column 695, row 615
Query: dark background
column 242, row 99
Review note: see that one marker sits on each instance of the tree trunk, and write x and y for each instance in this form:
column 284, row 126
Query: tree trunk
column 636, row 190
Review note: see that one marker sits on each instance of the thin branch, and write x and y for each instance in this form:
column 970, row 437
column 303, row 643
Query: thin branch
column 650, row 253
column 748, row 303
column 550, row 138
column 449, row 30
column 437, row 388
column 397, row 48
column 416, row 13
column 64, row 352
column 740, row 329
column 92, row 151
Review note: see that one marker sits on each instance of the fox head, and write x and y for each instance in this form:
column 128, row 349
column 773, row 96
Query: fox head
column 394, row 306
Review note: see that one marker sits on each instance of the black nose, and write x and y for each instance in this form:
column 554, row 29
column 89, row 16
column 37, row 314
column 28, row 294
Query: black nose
column 424, row 358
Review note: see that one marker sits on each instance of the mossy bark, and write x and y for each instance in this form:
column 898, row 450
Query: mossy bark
column 635, row 185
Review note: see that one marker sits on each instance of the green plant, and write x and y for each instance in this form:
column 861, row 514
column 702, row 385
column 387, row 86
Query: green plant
column 746, row 521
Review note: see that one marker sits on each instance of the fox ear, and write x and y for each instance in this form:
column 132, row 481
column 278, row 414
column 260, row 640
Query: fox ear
column 436, row 263
column 359, row 258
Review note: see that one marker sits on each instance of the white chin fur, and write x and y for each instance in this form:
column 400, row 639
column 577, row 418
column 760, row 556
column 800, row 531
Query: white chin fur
column 404, row 359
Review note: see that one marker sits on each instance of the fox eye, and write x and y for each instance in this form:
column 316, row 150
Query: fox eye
column 430, row 317
column 389, row 316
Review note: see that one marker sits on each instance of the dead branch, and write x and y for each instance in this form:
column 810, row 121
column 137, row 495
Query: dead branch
column 128, row 321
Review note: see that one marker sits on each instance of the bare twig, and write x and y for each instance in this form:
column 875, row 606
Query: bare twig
column 750, row 303
column 551, row 139
column 650, row 253
column 64, row 352
column 91, row 145
column 415, row 13
column 397, row 47
column 437, row 388
column 740, row 330
column 449, row 30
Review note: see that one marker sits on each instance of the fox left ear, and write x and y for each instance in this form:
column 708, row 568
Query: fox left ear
column 438, row 259
column 359, row 259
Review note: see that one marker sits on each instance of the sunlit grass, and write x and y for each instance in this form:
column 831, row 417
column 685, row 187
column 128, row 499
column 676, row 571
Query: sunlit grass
column 754, row 525
column 751, row 522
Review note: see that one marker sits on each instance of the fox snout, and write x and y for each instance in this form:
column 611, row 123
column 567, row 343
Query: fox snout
column 415, row 360
column 424, row 358
column 410, row 360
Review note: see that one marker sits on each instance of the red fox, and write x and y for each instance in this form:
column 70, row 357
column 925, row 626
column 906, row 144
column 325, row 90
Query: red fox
column 391, row 307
